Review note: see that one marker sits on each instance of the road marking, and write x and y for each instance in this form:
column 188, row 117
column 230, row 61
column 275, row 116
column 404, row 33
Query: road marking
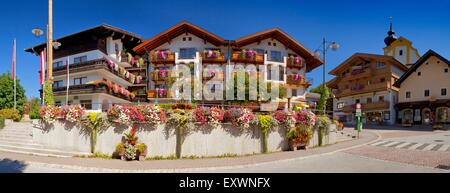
column 402, row 145
column 429, row 147
column 423, row 146
column 384, row 143
column 435, row 148
column 443, row 148
column 390, row 144
column 415, row 146
column 377, row 143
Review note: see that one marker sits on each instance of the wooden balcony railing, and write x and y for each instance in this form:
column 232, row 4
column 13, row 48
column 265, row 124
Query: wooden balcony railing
column 219, row 58
column 241, row 57
column 293, row 62
column 381, row 105
column 365, row 89
column 358, row 74
column 162, row 57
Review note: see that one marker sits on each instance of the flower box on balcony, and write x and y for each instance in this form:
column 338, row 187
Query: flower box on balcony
column 162, row 56
column 295, row 62
column 297, row 79
column 160, row 75
column 247, row 56
column 213, row 56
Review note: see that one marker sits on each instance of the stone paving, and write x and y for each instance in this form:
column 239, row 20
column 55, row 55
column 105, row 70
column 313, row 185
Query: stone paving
column 101, row 165
column 412, row 146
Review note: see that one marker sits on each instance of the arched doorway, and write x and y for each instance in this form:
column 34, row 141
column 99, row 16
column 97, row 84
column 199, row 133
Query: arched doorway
column 408, row 116
column 426, row 116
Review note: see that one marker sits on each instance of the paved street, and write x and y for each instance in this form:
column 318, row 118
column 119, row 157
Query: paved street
column 398, row 151
column 336, row 163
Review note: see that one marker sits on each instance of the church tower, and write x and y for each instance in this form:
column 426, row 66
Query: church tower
column 400, row 48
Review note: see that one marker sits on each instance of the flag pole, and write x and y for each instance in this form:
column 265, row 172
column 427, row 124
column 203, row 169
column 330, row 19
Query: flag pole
column 67, row 81
column 14, row 74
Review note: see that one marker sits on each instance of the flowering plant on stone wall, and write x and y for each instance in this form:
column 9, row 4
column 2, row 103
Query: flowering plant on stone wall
column 201, row 114
column 120, row 114
column 217, row 116
column 281, row 117
column 246, row 119
column 49, row 114
column 304, row 117
column 74, row 113
column 153, row 114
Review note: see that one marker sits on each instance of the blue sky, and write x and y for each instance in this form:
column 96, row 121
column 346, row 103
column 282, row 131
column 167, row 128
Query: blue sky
column 358, row 26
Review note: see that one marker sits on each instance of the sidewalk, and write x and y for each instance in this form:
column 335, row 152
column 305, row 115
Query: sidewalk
column 163, row 166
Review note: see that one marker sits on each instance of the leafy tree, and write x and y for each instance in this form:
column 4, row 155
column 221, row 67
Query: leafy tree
column 7, row 93
column 324, row 95
column 35, row 105
column 48, row 94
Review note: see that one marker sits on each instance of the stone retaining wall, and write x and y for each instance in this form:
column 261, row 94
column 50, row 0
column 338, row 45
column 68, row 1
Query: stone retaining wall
column 162, row 140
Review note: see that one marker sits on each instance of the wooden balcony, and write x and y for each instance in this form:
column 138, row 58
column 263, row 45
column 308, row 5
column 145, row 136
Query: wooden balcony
column 365, row 89
column 382, row 105
column 358, row 75
column 220, row 59
column 158, row 59
column 293, row 79
column 293, row 63
column 240, row 57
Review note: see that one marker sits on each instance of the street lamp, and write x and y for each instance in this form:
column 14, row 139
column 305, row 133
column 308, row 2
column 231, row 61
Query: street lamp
column 322, row 51
column 55, row 45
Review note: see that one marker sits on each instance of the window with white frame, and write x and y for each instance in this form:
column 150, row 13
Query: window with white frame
column 187, row 53
column 276, row 56
column 443, row 92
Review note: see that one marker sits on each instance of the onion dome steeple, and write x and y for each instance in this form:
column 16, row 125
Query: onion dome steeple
column 391, row 35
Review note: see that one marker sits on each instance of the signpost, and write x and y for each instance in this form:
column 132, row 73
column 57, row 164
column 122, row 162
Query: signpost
column 358, row 118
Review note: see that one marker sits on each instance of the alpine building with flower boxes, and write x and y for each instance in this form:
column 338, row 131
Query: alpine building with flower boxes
column 102, row 70
column 198, row 48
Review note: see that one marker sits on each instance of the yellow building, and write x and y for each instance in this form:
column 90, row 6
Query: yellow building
column 400, row 48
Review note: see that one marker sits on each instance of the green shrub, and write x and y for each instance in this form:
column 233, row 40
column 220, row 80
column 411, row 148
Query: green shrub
column 35, row 105
column 2, row 122
column 11, row 114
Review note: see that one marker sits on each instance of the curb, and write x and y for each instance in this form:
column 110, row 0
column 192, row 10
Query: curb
column 193, row 170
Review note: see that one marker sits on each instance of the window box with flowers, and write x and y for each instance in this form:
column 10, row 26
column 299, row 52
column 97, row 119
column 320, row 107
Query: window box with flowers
column 295, row 62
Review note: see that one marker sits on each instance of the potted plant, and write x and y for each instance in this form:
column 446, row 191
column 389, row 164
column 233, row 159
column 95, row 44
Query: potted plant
column 142, row 151
column 120, row 150
column 299, row 137
column 130, row 152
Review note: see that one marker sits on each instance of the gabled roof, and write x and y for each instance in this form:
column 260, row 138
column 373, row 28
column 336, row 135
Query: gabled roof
column 365, row 56
column 419, row 62
column 286, row 40
column 333, row 83
column 175, row 31
column 100, row 30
